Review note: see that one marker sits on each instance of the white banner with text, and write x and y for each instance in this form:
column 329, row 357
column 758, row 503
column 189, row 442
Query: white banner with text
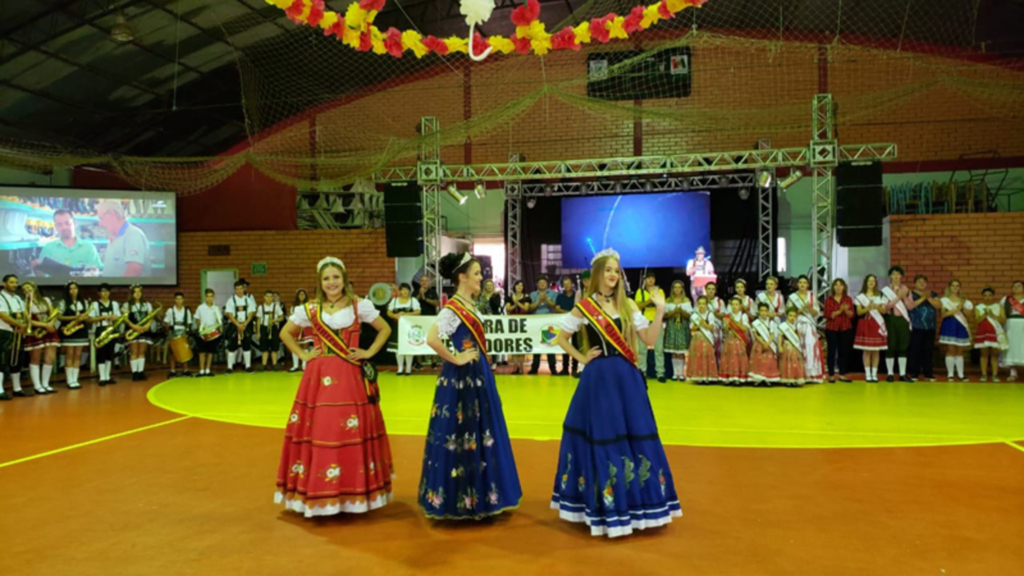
column 515, row 335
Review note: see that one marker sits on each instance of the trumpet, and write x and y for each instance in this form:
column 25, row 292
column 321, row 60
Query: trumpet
column 132, row 334
column 110, row 333
column 41, row 331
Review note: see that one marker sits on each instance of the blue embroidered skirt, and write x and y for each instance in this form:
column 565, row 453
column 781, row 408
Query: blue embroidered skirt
column 953, row 332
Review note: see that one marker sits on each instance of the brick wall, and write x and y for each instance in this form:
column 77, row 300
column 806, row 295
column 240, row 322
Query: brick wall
column 291, row 258
column 978, row 249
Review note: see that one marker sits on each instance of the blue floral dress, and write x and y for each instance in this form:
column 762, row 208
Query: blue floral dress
column 469, row 471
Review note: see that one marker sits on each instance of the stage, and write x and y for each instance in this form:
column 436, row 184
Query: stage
column 177, row 478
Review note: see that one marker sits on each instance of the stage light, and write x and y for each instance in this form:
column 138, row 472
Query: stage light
column 764, row 178
column 455, row 194
column 548, row 189
column 480, row 191
column 531, row 203
column 744, row 193
column 793, row 178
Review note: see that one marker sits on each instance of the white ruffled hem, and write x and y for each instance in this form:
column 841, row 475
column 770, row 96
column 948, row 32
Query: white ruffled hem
column 617, row 531
column 951, row 341
column 300, row 507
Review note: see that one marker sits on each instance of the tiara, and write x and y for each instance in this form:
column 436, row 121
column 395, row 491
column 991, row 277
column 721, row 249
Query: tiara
column 466, row 257
column 603, row 253
column 330, row 260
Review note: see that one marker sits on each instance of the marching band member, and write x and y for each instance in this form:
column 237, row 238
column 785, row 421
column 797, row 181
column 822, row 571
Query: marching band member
column 990, row 338
column 14, row 323
column 179, row 321
column 803, row 301
column 899, row 302
column 240, row 310
column 209, row 324
column 773, row 298
column 872, row 335
column 305, row 339
column 41, row 348
column 701, row 364
column 74, row 312
column 103, row 313
column 138, row 309
column 735, row 362
column 955, row 332
column 1014, row 313
column 268, row 325
column 764, row 363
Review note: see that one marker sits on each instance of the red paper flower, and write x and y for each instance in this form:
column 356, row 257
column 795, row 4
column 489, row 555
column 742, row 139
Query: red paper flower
column 599, row 28
column 294, row 11
column 336, row 29
column 523, row 15
column 664, row 11
column 371, row 4
column 565, row 39
column 393, row 42
column 522, row 44
column 480, row 43
column 316, row 13
column 632, row 22
column 365, row 42
column 435, row 45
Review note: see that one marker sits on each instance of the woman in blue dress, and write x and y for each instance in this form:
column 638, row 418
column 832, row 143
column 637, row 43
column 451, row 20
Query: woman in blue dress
column 469, row 471
column 612, row 474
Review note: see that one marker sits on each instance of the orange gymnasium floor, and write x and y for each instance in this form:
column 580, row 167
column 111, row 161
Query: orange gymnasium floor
column 838, row 479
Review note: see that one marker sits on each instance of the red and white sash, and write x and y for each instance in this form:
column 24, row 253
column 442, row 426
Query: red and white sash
column 797, row 301
column 986, row 313
column 739, row 327
column 948, row 304
column 789, row 332
column 1016, row 305
column 766, row 330
column 863, row 300
column 900, row 307
column 337, row 345
column 708, row 318
column 774, row 304
column 604, row 326
column 472, row 321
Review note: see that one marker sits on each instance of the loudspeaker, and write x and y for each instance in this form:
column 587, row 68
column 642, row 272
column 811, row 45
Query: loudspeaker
column 403, row 220
column 860, row 204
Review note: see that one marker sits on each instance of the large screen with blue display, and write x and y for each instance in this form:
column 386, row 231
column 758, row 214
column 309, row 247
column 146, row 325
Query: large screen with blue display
column 648, row 230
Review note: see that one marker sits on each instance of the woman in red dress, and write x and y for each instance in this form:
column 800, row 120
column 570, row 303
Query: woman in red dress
column 336, row 456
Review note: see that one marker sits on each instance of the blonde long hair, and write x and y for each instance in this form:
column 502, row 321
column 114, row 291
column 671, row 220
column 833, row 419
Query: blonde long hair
column 42, row 302
column 621, row 302
column 346, row 287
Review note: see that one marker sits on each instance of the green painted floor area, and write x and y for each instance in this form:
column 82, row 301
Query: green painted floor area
column 855, row 415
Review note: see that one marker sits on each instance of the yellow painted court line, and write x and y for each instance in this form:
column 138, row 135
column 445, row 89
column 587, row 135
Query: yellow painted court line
column 1014, row 445
column 90, row 442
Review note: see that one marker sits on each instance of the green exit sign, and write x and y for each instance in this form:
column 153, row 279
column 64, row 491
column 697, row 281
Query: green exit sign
column 259, row 269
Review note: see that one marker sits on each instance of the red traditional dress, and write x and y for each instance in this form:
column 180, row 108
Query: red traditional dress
column 791, row 358
column 776, row 305
column 733, row 366
column 702, row 366
column 764, row 364
column 336, row 456
column 990, row 333
column 41, row 312
column 871, row 331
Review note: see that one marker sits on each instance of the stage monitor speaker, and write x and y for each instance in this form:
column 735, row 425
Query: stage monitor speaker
column 403, row 220
column 860, row 204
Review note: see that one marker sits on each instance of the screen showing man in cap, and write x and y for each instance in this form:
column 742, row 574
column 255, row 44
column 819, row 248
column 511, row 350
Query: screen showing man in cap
column 701, row 271
column 127, row 253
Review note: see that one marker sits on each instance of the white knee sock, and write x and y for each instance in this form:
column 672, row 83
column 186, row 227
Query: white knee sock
column 295, row 361
column 67, row 375
column 142, row 364
column 109, row 365
column 231, row 359
column 869, row 372
column 960, row 366
column 950, row 365
column 903, row 365
column 16, row 382
column 889, row 363
column 33, row 373
column 77, row 370
column 248, row 359
column 47, row 370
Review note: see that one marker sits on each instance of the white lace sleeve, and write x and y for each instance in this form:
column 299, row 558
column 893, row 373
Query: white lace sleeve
column 640, row 321
column 447, row 322
column 299, row 317
column 571, row 324
column 367, row 312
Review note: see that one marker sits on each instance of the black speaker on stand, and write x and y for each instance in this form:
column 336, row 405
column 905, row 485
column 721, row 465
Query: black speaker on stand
column 403, row 219
column 860, row 204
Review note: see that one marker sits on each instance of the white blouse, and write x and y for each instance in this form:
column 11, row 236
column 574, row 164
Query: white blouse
column 339, row 320
column 448, row 321
column 570, row 324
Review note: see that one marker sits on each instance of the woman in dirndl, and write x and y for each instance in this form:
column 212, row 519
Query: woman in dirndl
column 138, row 311
column 989, row 337
column 955, row 331
column 612, row 472
column 807, row 307
column 469, row 471
column 1013, row 308
column 42, row 350
column 872, row 337
column 336, row 458
column 678, row 310
column 305, row 338
column 73, row 312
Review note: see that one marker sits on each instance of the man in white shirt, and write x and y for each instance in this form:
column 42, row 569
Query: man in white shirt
column 269, row 317
column 241, row 311
column 209, row 325
column 13, row 325
column 179, row 322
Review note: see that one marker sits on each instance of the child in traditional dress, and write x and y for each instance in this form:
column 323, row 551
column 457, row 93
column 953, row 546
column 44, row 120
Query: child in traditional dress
column 702, row 366
column 1013, row 309
column 955, row 332
column 735, row 349
column 746, row 302
column 990, row 338
column 791, row 356
column 764, row 365
column 871, row 333
column 678, row 310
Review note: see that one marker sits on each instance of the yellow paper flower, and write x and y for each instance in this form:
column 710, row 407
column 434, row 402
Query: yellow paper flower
column 377, row 41
column 282, row 4
column 456, row 44
column 536, row 30
column 501, row 44
column 522, row 31
column 413, row 41
column 355, row 16
column 541, row 46
column 617, row 28
column 329, row 19
column 677, row 5
column 651, row 16
column 582, row 33
column 350, row 37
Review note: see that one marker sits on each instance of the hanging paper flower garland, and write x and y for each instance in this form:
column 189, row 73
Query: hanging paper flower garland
column 355, row 28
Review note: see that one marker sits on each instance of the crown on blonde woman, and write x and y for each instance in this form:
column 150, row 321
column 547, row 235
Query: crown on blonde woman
column 330, row 260
column 606, row 252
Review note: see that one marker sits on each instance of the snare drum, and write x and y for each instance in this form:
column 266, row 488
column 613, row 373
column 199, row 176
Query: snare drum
column 180, row 348
column 212, row 335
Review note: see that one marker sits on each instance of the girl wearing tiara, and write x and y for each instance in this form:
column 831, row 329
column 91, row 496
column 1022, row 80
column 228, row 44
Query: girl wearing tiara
column 736, row 345
column 336, row 456
column 702, row 365
column 955, row 332
column 807, row 317
column 871, row 333
column 469, row 472
column 677, row 329
column 612, row 473
column 747, row 303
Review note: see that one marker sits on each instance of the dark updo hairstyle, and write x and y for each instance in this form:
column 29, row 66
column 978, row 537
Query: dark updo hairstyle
column 451, row 266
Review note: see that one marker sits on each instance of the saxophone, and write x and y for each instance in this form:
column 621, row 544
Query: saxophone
column 41, row 331
column 132, row 334
column 74, row 325
column 111, row 331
